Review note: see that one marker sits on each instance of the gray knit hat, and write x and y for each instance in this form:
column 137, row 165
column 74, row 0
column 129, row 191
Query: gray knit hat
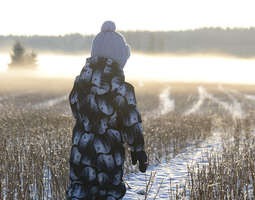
column 110, row 44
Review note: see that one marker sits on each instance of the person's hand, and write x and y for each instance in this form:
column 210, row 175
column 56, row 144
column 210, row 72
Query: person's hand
column 142, row 158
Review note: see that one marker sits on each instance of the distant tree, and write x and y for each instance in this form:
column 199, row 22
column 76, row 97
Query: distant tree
column 19, row 57
column 18, row 53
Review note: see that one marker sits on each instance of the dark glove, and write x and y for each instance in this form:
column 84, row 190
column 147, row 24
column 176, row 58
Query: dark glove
column 142, row 158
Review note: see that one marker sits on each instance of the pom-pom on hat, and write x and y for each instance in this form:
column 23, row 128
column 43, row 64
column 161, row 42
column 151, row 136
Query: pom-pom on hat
column 110, row 44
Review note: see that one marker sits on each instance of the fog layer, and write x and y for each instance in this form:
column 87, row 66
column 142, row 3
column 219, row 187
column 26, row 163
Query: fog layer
column 238, row 42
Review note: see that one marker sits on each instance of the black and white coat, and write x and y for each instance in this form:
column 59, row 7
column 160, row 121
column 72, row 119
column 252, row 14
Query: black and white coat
column 104, row 106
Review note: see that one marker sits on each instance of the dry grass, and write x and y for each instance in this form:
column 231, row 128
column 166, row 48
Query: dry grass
column 228, row 175
column 35, row 144
column 35, row 147
column 167, row 135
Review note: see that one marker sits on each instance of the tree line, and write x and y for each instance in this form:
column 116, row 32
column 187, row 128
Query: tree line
column 238, row 42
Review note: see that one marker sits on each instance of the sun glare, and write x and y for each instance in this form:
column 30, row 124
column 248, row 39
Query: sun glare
column 160, row 68
column 85, row 16
column 3, row 68
column 191, row 69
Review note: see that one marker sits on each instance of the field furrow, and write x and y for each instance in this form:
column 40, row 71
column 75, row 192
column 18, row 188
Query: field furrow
column 198, row 104
column 171, row 173
column 166, row 104
column 181, row 123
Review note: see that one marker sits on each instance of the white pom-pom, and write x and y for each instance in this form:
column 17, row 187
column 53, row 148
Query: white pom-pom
column 108, row 26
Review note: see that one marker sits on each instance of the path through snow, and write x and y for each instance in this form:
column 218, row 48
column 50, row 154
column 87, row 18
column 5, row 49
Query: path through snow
column 246, row 96
column 166, row 104
column 199, row 103
column 250, row 97
column 175, row 170
column 233, row 108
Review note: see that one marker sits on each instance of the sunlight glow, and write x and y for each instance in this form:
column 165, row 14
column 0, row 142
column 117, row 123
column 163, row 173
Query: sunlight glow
column 161, row 68
column 58, row 17
column 3, row 68
column 191, row 69
column 4, row 61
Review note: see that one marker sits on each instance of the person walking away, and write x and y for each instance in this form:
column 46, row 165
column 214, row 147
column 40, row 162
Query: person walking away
column 104, row 107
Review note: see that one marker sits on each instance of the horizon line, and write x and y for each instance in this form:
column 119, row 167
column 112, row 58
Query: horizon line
column 134, row 30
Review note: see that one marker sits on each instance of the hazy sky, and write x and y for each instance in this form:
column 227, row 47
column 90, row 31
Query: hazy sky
column 58, row 17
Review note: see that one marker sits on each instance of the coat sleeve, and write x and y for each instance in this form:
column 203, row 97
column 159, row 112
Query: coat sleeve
column 129, row 118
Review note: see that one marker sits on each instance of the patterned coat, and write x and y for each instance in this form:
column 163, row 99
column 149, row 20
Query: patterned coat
column 104, row 106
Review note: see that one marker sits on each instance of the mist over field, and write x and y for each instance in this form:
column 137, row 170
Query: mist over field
column 237, row 42
column 69, row 126
column 198, row 114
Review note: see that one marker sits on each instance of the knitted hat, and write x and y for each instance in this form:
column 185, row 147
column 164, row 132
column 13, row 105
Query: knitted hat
column 110, row 44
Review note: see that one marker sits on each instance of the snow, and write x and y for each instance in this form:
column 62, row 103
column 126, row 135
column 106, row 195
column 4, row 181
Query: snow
column 51, row 102
column 175, row 170
column 166, row 104
column 249, row 96
column 234, row 108
column 199, row 103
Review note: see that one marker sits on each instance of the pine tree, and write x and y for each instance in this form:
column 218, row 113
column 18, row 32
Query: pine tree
column 20, row 58
column 18, row 54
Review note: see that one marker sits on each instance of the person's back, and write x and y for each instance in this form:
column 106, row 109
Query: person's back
column 104, row 106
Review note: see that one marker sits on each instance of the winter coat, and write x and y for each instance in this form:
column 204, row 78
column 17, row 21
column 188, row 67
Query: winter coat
column 104, row 106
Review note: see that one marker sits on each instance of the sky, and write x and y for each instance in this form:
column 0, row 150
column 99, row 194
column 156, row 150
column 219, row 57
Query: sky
column 59, row 17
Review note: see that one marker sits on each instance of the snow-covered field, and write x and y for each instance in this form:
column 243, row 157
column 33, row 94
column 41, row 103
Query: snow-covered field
column 172, row 172
column 206, row 100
